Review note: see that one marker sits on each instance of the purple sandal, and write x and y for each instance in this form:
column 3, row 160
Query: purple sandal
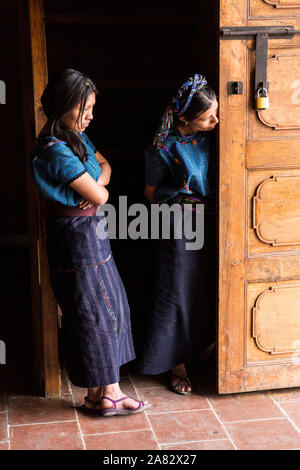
column 123, row 411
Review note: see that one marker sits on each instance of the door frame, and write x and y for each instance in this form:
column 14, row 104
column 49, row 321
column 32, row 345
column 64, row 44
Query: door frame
column 33, row 65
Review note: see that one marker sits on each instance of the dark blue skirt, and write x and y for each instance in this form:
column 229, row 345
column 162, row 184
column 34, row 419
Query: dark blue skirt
column 91, row 295
column 181, row 317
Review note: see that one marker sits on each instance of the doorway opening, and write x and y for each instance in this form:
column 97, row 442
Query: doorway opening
column 138, row 54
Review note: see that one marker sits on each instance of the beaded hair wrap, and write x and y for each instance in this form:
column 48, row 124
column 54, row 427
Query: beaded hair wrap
column 196, row 82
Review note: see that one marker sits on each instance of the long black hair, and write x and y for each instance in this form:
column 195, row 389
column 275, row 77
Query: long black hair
column 63, row 92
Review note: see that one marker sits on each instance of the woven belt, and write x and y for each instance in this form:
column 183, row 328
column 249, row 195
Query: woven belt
column 193, row 200
column 182, row 198
column 55, row 209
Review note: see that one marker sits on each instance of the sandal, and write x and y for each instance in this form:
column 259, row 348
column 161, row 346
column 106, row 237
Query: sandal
column 175, row 387
column 123, row 411
column 92, row 410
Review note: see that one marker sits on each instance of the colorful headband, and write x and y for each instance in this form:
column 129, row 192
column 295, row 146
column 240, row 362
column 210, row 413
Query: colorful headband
column 196, row 83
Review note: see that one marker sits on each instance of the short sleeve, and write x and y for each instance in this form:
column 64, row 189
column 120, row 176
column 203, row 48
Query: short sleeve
column 63, row 164
column 156, row 168
column 87, row 141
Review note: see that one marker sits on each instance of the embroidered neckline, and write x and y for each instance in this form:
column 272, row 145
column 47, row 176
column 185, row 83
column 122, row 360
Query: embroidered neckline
column 195, row 138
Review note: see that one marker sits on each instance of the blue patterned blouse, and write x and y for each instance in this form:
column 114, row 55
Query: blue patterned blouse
column 55, row 166
column 179, row 166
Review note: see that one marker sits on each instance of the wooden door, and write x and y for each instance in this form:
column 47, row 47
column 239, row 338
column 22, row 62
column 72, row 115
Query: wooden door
column 259, row 206
column 44, row 307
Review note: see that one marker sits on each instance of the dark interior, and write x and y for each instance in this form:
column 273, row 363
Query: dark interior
column 138, row 53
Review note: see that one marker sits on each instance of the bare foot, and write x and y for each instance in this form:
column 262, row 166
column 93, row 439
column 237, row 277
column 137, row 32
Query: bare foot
column 177, row 373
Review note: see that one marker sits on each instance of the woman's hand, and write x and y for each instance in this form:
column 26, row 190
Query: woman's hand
column 85, row 204
column 149, row 193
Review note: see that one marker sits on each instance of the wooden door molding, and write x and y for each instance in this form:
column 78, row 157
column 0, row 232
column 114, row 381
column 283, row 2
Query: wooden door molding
column 274, row 207
column 44, row 306
column 273, row 9
column 271, row 309
column 283, row 3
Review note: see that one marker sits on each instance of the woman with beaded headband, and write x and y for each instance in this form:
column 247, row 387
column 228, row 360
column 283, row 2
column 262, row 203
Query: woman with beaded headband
column 181, row 320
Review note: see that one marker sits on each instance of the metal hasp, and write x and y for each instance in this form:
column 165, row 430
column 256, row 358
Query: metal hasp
column 262, row 35
column 261, row 62
column 250, row 32
column 235, row 88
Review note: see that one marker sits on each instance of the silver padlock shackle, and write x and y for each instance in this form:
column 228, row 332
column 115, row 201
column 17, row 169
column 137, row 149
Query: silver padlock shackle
column 261, row 90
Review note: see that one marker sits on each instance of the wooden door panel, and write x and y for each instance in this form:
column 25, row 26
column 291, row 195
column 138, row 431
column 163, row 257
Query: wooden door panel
column 280, row 154
column 273, row 322
column 271, row 377
column 283, row 115
column 284, row 91
column 277, row 268
column 259, row 208
column 273, row 212
column 273, row 8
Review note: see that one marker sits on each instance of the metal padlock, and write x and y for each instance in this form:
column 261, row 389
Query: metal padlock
column 262, row 100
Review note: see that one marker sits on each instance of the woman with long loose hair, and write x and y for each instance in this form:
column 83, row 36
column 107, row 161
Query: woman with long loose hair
column 72, row 176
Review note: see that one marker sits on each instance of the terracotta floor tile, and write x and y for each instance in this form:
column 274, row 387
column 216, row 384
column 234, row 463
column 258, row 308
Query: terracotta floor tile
column 286, row 394
column 164, row 400
column 28, row 409
column 136, row 440
column 58, row 436
column 3, row 427
column 223, row 444
column 4, row 446
column 142, row 380
column 245, row 406
column 293, row 411
column 78, row 394
column 99, row 424
column 275, row 434
column 186, row 426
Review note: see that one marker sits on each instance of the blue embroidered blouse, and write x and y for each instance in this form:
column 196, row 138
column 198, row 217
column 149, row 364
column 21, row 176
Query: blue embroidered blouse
column 179, row 166
column 55, row 166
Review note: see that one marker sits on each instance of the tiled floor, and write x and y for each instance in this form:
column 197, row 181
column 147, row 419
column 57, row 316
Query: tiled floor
column 201, row 421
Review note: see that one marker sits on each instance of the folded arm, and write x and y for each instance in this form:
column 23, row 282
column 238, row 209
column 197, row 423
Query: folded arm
column 104, row 178
column 92, row 192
